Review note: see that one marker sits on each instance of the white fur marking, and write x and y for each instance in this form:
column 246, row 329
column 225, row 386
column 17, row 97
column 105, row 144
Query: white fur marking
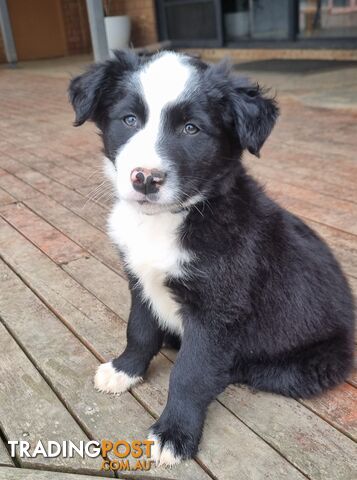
column 150, row 242
column 109, row 170
column 152, row 252
column 161, row 82
column 109, row 380
column 162, row 456
column 155, row 448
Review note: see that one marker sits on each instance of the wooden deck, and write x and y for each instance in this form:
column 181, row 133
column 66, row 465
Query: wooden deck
column 64, row 299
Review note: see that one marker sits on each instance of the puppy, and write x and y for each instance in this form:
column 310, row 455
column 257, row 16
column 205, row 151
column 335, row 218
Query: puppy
column 249, row 292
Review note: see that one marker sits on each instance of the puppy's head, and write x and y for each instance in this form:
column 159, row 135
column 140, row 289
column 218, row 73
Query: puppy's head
column 173, row 127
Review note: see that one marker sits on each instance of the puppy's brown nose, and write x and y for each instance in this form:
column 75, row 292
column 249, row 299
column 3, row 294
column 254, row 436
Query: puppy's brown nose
column 147, row 181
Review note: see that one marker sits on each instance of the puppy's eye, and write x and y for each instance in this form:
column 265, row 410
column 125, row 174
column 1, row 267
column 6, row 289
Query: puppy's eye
column 191, row 129
column 130, row 120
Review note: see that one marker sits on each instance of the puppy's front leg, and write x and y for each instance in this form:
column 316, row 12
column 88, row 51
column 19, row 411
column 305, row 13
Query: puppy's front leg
column 200, row 373
column 144, row 340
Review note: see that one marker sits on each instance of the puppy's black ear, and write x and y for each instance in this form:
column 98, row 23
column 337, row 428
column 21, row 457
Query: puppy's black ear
column 84, row 92
column 254, row 113
column 87, row 91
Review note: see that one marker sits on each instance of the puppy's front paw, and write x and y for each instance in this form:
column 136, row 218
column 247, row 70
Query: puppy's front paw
column 171, row 445
column 109, row 380
column 163, row 455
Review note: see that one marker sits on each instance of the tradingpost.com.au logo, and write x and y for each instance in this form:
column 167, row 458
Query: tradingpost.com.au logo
column 134, row 455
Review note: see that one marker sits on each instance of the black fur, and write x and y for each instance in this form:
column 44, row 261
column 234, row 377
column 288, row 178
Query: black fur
column 265, row 302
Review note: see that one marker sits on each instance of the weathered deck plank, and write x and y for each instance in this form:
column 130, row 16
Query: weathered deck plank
column 264, row 459
column 88, row 170
column 28, row 474
column 6, row 198
column 315, row 206
column 16, row 187
column 306, row 168
column 51, row 241
column 69, row 367
column 120, row 303
column 5, row 458
column 93, row 213
column 339, row 406
column 87, row 271
column 86, row 154
column 310, row 443
column 97, row 243
column 62, row 175
column 341, row 242
column 344, row 246
column 45, row 160
column 61, row 292
column 37, row 414
column 224, row 435
column 13, row 165
column 92, row 176
column 281, row 165
column 55, row 169
column 331, row 156
column 69, row 198
column 77, row 229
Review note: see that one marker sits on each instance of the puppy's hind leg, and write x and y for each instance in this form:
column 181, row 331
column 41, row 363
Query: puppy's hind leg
column 144, row 340
column 306, row 373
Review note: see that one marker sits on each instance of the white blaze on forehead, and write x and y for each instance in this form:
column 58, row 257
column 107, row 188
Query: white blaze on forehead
column 163, row 80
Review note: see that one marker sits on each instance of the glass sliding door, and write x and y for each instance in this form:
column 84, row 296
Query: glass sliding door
column 273, row 23
column 190, row 22
column 257, row 19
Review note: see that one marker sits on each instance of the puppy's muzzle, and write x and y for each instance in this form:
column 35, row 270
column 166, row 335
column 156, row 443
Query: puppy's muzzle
column 147, row 181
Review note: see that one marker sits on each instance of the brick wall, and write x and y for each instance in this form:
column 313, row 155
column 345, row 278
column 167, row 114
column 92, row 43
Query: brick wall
column 142, row 14
column 2, row 52
column 76, row 25
column 114, row 7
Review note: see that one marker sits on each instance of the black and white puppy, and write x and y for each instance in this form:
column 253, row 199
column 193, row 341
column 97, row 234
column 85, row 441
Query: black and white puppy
column 250, row 292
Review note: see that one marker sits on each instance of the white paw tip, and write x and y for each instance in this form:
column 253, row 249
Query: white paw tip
column 163, row 457
column 109, row 380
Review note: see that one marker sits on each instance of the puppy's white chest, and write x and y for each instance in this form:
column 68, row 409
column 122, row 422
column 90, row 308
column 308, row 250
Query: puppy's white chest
column 153, row 254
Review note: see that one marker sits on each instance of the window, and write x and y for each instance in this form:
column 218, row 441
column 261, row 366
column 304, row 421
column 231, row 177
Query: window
column 342, row 6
